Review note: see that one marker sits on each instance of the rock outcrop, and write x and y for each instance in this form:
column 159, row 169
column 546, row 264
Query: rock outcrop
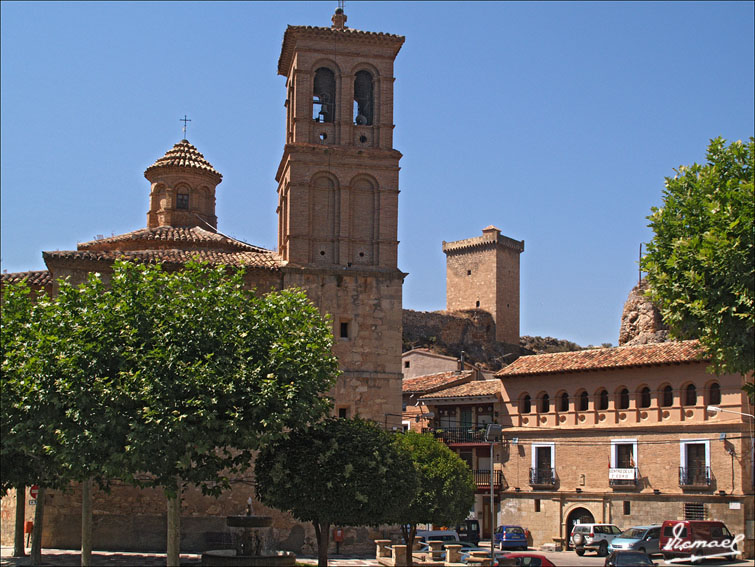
column 641, row 320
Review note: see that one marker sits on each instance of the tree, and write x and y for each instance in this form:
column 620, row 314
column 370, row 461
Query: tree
column 445, row 487
column 700, row 263
column 338, row 472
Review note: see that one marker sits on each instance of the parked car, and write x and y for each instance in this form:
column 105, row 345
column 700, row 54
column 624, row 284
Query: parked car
column 640, row 538
column 469, row 531
column 524, row 560
column 510, row 537
column 595, row 537
column 628, row 559
column 687, row 538
column 438, row 535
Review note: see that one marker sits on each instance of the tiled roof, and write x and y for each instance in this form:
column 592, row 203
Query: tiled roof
column 148, row 237
column 183, row 154
column 475, row 389
column 432, row 382
column 34, row 278
column 604, row 358
column 173, row 256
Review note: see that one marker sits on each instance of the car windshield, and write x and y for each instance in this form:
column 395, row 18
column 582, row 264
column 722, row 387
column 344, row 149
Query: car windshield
column 632, row 559
column 632, row 533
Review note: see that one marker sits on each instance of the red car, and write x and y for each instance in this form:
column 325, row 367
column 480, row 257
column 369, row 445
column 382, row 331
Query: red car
column 525, row 560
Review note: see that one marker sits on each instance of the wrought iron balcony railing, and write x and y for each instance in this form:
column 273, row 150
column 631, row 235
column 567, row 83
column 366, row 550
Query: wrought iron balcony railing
column 694, row 476
column 623, row 476
column 542, row 477
column 482, row 479
column 469, row 434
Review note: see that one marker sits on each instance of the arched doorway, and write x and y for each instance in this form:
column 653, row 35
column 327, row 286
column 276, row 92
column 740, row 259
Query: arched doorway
column 577, row 516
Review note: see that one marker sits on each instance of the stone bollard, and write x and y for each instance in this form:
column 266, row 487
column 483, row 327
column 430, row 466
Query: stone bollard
column 399, row 555
column 382, row 548
column 436, row 549
column 480, row 559
column 453, row 554
column 417, row 541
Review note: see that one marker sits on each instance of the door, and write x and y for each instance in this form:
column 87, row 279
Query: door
column 485, row 517
column 695, row 464
column 543, row 473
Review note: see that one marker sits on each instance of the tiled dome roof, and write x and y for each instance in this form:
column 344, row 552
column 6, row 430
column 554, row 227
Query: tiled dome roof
column 183, row 154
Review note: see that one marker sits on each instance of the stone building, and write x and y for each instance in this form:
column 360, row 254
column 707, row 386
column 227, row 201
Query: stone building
column 337, row 240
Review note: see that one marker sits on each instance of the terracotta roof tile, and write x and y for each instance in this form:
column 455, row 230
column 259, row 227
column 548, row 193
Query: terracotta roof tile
column 147, row 237
column 183, row 154
column 34, row 278
column 432, row 382
column 267, row 260
column 475, row 389
column 604, row 358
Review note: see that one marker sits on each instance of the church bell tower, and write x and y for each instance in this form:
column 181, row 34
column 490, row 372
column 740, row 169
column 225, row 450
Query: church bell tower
column 338, row 178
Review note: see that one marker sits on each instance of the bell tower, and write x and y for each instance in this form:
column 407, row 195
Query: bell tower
column 338, row 204
column 338, row 177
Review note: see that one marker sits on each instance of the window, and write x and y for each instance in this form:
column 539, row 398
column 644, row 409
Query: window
column 627, row 508
column 344, row 329
column 407, row 364
column 537, row 504
column 623, row 453
column 182, row 201
column 584, row 401
column 324, row 95
column 645, row 397
column 667, row 397
column 714, row 394
column 363, row 99
column 694, row 462
column 343, row 413
column 603, row 400
column 690, row 395
column 545, row 403
column 693, row 511
column 623, row 399
column 466, row 417
column 563, row 402
column 543, row 464
column 526, row 405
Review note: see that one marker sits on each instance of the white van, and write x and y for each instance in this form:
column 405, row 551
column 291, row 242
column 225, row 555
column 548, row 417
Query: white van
column 438, row 535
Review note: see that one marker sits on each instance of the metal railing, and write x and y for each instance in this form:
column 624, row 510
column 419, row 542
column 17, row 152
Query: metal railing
column 468, row 434
column 625, row 481
column 542, row 477
column 482, row 478
column 694, row 476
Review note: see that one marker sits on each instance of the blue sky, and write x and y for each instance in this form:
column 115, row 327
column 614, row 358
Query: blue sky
column 554, row 121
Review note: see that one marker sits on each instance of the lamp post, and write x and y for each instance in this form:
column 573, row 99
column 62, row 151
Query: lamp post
column 491, row 433
column 716, row 409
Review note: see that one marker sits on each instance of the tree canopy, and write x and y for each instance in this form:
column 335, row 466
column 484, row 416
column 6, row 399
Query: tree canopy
column 700, row 263
column 338, row 472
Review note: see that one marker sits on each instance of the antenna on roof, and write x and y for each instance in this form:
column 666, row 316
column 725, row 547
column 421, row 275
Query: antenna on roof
column 340, row 5
column 184, row 120
column 639, row 281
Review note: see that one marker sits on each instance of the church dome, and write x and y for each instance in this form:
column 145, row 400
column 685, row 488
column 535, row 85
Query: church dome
column 183, row 155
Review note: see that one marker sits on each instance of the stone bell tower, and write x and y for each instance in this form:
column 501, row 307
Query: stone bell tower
column 338, row 203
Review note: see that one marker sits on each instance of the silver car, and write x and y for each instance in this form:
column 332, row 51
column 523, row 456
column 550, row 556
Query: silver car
column 640, row 538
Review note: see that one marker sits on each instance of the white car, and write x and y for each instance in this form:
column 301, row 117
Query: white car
column 595, row 537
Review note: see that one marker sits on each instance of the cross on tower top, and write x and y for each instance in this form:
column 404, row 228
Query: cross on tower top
column 184, row 120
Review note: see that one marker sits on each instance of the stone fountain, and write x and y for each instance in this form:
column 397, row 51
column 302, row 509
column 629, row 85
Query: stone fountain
column 253, row 544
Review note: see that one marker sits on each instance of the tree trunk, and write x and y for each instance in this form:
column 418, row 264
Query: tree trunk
column 174, row 530
column 86, row 523
column 322, row 531
column 36, row 536
column 409, row 541
column 19, row 548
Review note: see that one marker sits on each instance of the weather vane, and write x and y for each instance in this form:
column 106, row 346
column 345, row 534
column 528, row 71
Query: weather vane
column 184, row 120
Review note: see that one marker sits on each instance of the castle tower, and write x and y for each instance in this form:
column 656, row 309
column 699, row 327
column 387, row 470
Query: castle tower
column 338, row 203
column 183, row 189
column 483, row 273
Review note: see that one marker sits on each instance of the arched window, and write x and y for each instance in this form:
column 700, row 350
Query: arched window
column 563, row 402
column 545, row 404
column 324, row 95
column 603, row 400
column 667, row 399
column 584, row 401
column 526, row 406
column 714, row 394
column 645, row 397
column 623, row 399
column 363, row 99
column 690, row 395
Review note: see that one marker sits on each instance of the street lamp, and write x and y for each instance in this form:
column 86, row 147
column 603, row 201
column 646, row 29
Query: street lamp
column 716, row 409
column 492, row 432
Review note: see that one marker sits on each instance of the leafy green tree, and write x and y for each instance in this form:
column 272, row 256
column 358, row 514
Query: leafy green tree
column 701, row 262
column 338, row 472
column 445, row 487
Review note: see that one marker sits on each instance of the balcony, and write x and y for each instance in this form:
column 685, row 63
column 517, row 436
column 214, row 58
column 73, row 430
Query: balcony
column 624, row 478
column 482, row 479
column 543, row 477
column 694, row 477
column 468, row 434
